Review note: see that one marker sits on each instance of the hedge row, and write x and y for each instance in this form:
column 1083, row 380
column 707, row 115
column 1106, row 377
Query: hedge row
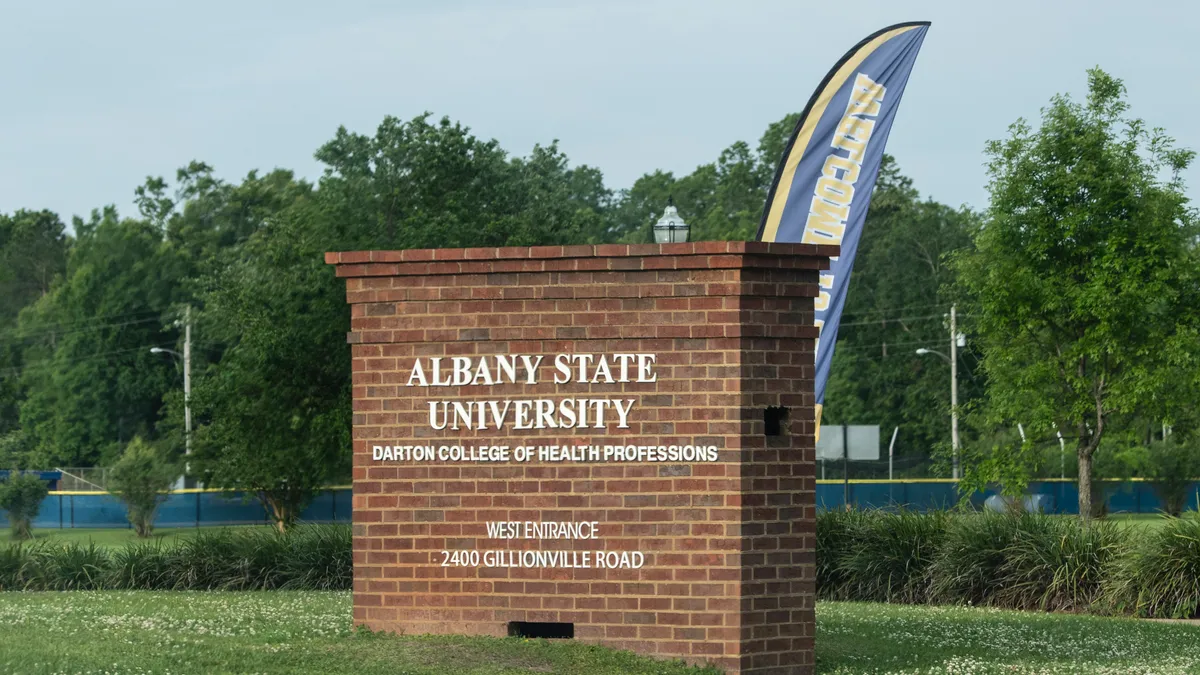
column 312, row 557
column 1025, row 561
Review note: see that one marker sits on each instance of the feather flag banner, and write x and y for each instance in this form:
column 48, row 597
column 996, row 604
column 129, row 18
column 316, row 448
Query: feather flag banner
column 823, row 185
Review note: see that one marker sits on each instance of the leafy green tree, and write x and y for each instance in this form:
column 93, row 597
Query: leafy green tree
column 140, row 479
column 274, row 413
column 90, row 382
column 33, row 254
column 21, row 495
column 417, row 184
column 1082, row 279
column 13, row 448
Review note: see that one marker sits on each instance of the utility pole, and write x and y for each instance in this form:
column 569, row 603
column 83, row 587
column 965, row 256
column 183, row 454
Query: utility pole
column 954, row 388
column 186, row 357
column 187, row 385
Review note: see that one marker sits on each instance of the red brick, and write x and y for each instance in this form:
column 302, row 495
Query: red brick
column 729, row 562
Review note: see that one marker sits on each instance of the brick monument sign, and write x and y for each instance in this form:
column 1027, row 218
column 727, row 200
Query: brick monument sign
column 609, row 443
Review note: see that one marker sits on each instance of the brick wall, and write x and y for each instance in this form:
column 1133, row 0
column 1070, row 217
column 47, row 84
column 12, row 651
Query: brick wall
column 727, row 544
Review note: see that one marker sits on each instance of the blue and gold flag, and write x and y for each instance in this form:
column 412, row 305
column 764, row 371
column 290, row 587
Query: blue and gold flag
column 823, row 184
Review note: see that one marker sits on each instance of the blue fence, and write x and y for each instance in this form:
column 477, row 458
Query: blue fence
column 1121, row 496
column 197, row 508
column 51, row 477
column 185, row 508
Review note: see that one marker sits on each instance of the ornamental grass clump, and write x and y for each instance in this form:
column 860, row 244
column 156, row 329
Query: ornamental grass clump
column 20, row 568
column 319, row 557
column 1058, row 564
column 309, row 557
column 890, row 556
column 141, row 566
column 209, row 561
column 968, row 566
column 836, row 532
column 74, row 567
column 1160, row 577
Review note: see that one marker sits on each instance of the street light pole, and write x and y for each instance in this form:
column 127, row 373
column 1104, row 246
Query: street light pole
column 186, row 357
column 953, row 394
column 954, row 389
column 187, row 382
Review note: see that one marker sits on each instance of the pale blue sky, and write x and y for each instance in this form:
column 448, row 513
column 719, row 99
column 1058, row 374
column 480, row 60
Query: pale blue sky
column 98, row 95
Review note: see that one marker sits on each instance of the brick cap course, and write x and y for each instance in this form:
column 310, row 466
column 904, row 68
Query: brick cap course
column 693, row 255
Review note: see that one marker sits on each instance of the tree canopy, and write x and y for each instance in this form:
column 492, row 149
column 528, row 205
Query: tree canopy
column 1083, row 276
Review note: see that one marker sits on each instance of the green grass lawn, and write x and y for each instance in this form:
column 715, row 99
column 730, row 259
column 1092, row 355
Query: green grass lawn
column 309, row 632
column 113, row 536
column 264, row 632
column 911, row 640
column 1141, row 520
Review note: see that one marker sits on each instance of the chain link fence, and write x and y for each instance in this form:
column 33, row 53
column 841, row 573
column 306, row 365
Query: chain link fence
column 83, row 479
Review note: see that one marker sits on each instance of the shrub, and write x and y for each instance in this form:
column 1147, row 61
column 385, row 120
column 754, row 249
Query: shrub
column 967, row 568
column 889, row 557
column 1058, row 563
column 74, row 567
column 836, row 532
column 309, row 557
column 19, row 567
column 140, row 479
column 1161, row 576
column 21, row 495
column 140, row 566
column 204, row 561
column 319, row 557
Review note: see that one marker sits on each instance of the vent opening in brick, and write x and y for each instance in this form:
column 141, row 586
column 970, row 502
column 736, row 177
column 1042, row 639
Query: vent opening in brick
column 541, row 629
column 774, row 417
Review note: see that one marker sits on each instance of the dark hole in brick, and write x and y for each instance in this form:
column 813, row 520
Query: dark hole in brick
column 541, row 629
column 774, row 416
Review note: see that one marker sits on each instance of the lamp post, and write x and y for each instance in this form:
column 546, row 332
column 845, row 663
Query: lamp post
column 670, row 229
column 186, row 357
column 953, row 404
column 187, row 392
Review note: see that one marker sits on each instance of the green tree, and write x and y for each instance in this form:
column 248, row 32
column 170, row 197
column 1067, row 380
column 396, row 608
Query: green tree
column 417, row 184
column 1082, row 279
column 21, row 495
column 33, row 254
column 90, row 382
column 274, row 412
column 140, row 479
